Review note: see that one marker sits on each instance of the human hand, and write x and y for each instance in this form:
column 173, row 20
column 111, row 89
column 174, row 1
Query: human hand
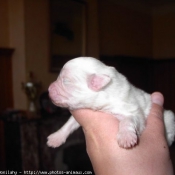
column 150, row 156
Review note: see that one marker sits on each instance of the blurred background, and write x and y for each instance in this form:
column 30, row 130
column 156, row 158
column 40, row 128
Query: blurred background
column 38, row 36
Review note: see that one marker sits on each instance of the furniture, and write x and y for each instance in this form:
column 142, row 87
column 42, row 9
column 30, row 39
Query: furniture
column 26, row 149
column 6, row 96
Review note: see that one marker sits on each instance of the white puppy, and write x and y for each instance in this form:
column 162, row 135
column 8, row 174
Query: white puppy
column 86, row 82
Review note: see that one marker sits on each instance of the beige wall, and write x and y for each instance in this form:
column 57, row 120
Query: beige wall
column 24, row 26
column 124, row 31
column 12, row 35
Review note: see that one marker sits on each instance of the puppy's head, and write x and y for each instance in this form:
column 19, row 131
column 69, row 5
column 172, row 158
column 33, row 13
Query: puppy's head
column 79, row 82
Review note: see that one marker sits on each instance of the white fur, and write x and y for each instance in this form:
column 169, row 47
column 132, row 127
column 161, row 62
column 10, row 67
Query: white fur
column 74, row 89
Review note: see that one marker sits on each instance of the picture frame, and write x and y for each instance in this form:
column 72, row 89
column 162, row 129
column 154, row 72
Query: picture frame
column 68, row 31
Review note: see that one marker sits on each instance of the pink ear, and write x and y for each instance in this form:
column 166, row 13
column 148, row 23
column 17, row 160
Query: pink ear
column 97, row 82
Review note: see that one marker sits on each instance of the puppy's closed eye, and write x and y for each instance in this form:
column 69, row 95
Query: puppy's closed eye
column 66, row 81
column 86, row 82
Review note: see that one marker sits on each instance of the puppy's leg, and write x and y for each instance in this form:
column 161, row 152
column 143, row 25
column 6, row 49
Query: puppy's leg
column 59, row 137
column 169, row 120
column 127, row 134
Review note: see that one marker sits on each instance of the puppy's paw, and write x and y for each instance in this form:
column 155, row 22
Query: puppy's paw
column 127, row 139
column 56, row 139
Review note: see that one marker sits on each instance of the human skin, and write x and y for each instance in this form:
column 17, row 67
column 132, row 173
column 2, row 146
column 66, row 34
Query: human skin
column 149, row 156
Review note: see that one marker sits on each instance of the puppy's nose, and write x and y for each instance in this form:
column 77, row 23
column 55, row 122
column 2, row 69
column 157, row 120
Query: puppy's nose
column 52, row 90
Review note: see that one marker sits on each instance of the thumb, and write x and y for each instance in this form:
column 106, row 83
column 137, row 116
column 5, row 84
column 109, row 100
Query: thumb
column 157, row 105
column 155, row 117
column 157, row 98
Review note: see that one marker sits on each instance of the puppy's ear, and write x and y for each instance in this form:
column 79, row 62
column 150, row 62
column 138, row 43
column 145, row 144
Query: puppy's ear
column 98, row 81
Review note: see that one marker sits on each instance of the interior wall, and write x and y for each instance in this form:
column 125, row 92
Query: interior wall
column 111, row 30
column 37, row 35
column 17, row 41
column 4, row 24
column 164, row 35
column 92, row 31
column 124, row 31
column 37, row 38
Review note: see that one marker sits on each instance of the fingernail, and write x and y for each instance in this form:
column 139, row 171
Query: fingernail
column 157, row 98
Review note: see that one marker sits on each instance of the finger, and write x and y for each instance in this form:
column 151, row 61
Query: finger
column 157, row 98
column 157, row 105
column 155, row 119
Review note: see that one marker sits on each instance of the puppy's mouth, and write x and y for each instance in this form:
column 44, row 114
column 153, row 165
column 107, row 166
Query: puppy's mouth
column 58, row 103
